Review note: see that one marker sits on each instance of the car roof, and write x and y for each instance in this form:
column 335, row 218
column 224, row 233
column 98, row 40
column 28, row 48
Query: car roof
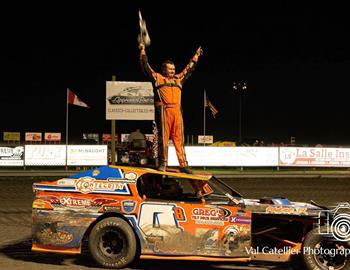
column 144, row 170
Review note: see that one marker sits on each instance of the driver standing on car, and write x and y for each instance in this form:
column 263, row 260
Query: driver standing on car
column 167, row 101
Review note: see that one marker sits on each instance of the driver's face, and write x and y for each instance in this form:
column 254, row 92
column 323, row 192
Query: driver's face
column 169, row 70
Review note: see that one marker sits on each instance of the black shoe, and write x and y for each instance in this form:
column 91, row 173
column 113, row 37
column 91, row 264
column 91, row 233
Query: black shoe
column 186, row 170
column 162, row 168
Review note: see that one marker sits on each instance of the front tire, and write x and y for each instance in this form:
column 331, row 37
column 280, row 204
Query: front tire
column 112, row 243
column 321, row 252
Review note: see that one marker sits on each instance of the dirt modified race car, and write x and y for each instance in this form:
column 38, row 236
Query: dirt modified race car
column 124, row 213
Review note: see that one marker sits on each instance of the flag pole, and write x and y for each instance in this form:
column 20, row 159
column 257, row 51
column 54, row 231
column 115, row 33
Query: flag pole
column 67, row 117
column 204, row 107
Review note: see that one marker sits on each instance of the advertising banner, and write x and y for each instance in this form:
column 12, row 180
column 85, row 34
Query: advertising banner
column 12, row 136
column 45, row 155
column 108, row 137
column 12, row 156
column 52, row 136
column 33, row 137
column 91, row 136
column 314, row 157
column 129, row 101
column 87, row 155
column 207, row 139
column 227, row 156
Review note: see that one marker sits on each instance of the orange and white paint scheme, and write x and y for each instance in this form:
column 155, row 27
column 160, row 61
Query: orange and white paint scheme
column 125, row 212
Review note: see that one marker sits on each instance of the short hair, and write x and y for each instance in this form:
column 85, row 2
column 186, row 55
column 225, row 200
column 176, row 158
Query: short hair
column 165, row 63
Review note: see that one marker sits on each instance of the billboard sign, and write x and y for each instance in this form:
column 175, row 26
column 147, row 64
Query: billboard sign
column 33, row 137
column 12, row 136
column 129, row 101
column 45, row 155
column 227, row 156
column 12, row 156
column 91, row 136
column 52, row 136
column 314, row 157
column 207, row 139
column 87, row 155
column 108, row 137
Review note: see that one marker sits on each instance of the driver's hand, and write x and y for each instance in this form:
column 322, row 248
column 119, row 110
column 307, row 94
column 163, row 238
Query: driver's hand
column 199, row 51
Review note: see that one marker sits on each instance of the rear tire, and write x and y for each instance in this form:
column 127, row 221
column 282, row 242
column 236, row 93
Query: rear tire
column 314, row 259
column 112, row 243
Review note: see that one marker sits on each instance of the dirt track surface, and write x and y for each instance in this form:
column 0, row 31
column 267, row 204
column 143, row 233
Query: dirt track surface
column 15, row 222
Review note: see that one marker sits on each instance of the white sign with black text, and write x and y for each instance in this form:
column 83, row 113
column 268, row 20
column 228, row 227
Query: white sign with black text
column 129, row 101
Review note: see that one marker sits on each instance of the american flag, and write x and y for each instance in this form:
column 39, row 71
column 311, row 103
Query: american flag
column 213, row 110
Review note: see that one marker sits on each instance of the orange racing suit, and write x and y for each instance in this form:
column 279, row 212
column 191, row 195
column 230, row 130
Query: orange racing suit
column 168, row 112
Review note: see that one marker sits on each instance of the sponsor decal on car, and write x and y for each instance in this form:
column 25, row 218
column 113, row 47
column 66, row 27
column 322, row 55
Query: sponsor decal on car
column 230, row 240
column 130, row 176
column 49, row 236
column 286, row 210
column 210, row 216
column 75, row 202
column 95, row 172
column 66, row 182
column 88, row 185
column 210, row 238
column 211, row 212
column 240, row 220
column 128, row 206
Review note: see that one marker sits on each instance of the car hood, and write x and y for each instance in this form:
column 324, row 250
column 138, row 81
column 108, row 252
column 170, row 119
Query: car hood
column 282, row 206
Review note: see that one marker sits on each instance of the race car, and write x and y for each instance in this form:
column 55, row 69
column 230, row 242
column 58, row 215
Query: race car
column 126, row 213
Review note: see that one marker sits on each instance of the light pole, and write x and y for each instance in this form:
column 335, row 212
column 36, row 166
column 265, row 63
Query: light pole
column 240, row 88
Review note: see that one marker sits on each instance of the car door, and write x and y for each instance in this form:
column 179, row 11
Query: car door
column 180, row 223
